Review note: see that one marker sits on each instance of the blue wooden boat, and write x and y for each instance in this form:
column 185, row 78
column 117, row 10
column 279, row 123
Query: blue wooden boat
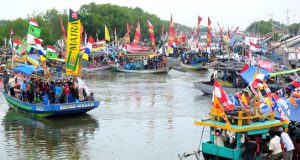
column 46, row 110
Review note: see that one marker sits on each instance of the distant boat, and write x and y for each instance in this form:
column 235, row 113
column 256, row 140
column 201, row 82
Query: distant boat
column 92, row 68
column 198, row 66
column 206, row 88
column 142, row 71
column 46, row 110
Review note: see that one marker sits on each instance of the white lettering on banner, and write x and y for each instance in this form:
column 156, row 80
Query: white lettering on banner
column 80, row 105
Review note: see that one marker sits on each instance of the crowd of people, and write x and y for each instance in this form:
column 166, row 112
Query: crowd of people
column 193, row 58
column 36, row 90
column 277, row 146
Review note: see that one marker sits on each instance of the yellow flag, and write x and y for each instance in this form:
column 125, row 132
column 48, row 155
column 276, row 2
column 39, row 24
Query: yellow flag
column 107, row 36
column 42, row 58
column 85, row 56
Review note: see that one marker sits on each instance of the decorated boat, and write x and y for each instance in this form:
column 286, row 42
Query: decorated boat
column 22, row 98
column 142, row 71
column 229, row 126
column 207, row 88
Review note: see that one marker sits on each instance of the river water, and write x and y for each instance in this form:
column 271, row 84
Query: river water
column 141, row 117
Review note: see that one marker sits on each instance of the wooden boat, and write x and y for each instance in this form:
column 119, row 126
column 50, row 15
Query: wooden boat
column 92, row 68
column 206, row 88
column 238, row 123
column 198, row 66
column 142, row 71
column 46, row 110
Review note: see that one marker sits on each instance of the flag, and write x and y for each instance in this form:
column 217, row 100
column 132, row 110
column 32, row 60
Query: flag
column 33, row 22
column 137, row 34
column 51, row 48
column 198, row 30
column 162, row 31
column 89, row 45
column 85, row 38
column 12, row 32
column 42, row 58
column 208, row 33
column 73, row 43
column 218, row 110
column 244, row 68
column 296, row 83
column 33, row 31
column 254, row 45
column 228, row 33
column 152, row 38
column 233, row 100
column 63, row 29
column 222, row 96
column 171, row 39
column 107, row 36
column 17, row 42
column 278, row 109
column 127, row 35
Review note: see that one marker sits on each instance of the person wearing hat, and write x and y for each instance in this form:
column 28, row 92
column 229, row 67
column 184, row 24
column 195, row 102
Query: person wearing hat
column 287, row 143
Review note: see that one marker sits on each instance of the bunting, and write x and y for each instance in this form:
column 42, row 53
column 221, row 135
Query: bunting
column 137, row 34
column 152, row 38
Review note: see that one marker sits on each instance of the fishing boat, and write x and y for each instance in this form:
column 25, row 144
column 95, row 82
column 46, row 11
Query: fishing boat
column 228, row 122
column 198, row 66
column 73, row 68
column 207, row 88
column 142, row 71
column 92, row 68
column 45, row 109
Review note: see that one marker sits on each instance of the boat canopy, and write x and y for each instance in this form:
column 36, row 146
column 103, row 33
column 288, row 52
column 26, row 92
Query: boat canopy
column 24, row 69
column 284, row 72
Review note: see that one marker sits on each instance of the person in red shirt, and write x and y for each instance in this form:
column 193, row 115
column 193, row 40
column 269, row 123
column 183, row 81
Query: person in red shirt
column 66, row 91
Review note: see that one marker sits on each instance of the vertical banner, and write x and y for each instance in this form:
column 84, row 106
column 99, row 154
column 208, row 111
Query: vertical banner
column 208, row 33
column 137, row 34
column 152, row 38
column 73, row 43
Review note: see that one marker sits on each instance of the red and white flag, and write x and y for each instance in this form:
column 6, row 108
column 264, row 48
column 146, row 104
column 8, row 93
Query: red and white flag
column 51, row 48
column 33, row 22
column 222, row 96
column 37, row 41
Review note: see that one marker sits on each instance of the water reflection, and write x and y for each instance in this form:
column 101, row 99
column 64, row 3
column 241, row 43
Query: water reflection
column 56, row 138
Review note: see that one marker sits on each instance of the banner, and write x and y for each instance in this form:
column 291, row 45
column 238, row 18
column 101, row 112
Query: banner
column 136, row 48
column 208, row 33
column 265, row 64
column 73, row 43
column 171, row 33
column 152, row 38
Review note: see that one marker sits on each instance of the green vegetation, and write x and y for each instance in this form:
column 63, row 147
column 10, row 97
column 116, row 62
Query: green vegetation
column 96, row 16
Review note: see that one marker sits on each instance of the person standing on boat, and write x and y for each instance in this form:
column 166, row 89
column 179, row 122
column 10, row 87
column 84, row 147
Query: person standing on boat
column 145, row 63
column 287, row 143
column 23, row 90
column 12, row 85
column 250, row 148
column 57, row 92
column 31, row 91
column 274, row 147
column 66, row 92
column 5, row 79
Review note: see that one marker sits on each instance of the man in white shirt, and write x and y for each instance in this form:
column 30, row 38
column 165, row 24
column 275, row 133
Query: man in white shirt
column 12, row 84
column 288, row 144
column 274, row 147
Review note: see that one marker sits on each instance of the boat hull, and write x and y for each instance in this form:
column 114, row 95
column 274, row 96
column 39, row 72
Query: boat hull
column 193, row 67
column 47, row 110
column 208, row 89
column 144, row 71
column 96, row 68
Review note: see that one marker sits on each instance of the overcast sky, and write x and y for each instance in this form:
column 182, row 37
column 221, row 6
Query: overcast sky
column 226, row 12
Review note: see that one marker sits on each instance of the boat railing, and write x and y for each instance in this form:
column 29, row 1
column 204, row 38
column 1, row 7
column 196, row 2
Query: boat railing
column 243, row 117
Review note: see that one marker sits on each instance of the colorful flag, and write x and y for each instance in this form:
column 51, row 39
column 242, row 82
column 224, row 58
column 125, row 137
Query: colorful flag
column 278, row 109
column 89, row 45
column 152, row 38
column 208, row 33
column 244, row 68
column 217, row 109
column 198, row 26
column 33, row 31
column 107, row 36
column 127, row 35
column 137, row 34
column 17, row 42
